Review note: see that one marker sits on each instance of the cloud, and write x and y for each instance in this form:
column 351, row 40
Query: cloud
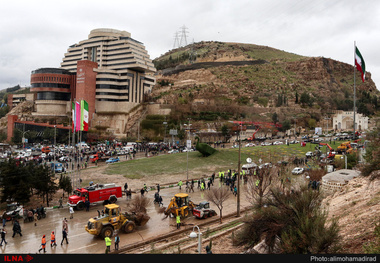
column 35, row 34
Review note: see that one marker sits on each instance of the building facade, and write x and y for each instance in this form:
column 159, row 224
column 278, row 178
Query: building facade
column 52, row 89
column 344, row 120
column 110, row 70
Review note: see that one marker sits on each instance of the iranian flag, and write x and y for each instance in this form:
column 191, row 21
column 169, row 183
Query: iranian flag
column 359, row 62
column 84, row 115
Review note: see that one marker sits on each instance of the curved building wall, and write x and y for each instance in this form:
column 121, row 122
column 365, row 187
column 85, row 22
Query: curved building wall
column 52, row 88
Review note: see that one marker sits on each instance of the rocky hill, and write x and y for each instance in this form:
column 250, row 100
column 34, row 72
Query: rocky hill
column 357, row 209
column 233, row 80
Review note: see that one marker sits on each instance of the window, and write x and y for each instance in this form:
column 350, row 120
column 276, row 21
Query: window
column 53, row 96
column 92, row 54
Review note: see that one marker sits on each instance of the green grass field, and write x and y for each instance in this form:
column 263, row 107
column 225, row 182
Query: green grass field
column 224, row 159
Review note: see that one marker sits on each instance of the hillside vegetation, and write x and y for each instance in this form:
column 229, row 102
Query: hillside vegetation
column 224, row 81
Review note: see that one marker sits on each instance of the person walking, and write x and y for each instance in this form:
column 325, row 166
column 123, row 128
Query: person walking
column 35, row 216
column 160, row 201
column 117, row 241
column 87, row 204
column 43, row 244
column 3, row 232
column 64, row 225
column 178, row 220
column 16, row 228
column 145, row 188
column 52, row 239
column 60, row 203
column 180, row 184
column 108, row 244
column 71, row 209
column 64, row 236
column 4, row 218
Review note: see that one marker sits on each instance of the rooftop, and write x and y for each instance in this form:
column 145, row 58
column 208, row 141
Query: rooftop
column 341, row 176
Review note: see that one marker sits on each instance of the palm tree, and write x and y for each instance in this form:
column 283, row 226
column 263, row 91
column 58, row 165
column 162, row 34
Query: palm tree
column 293, row 223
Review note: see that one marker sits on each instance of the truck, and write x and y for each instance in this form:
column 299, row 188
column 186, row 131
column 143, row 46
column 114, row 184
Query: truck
column 45, row 149
column 99, row 156
column 13, row 210
column 94, row 158
column 57, row 167
column 112, row 219
column 108, row 193
column 331, row 152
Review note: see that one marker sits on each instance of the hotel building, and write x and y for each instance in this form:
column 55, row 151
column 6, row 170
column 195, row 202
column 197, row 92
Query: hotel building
column 110, row 70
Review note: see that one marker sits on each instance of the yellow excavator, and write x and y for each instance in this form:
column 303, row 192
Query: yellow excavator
column 345, row 147
column 181, row 205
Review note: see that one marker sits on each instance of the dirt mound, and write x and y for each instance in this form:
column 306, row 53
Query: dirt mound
column 357, row 208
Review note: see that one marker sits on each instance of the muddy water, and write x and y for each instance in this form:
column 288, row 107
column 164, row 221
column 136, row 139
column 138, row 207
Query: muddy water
column 82, row 242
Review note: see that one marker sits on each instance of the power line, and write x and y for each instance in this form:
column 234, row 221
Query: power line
column 176, row 41
column 184, row 32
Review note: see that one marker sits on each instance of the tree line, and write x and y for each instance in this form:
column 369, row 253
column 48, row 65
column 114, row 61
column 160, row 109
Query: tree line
column 20, row 181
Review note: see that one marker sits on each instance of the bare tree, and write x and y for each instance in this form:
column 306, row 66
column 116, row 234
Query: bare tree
column 259, row 184
column 138, row 204
column 217, row 196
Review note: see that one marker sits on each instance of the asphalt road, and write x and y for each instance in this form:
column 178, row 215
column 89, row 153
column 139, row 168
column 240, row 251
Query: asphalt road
column 82, row 242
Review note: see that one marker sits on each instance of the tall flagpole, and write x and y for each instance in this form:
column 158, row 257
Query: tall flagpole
column 354, row 88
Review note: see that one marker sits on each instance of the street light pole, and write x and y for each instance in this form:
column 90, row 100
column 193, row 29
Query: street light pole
column 193, row 235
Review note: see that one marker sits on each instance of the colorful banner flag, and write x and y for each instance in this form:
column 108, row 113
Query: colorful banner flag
column 84, row 115
column 73, row 116
column 77, row 116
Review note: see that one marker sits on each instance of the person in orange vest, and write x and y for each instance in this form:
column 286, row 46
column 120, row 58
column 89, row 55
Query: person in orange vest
column 43, row 244
column 52, row 239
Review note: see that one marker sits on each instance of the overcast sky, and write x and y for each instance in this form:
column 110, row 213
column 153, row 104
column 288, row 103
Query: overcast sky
column 36, row 34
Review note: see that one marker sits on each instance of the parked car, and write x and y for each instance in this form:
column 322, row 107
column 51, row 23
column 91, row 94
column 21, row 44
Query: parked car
column 297, row 170
column 63, row 159
column 113, row 160
column 309, row 154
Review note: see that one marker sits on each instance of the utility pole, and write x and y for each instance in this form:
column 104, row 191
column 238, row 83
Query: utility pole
column 239, row 171
column 187, row 152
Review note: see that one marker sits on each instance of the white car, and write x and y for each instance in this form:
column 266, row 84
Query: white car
column 63, row 159
column 297, row 170
column 309, row 154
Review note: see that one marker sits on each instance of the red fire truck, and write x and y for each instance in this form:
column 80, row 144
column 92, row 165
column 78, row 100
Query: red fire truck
column 108, row 193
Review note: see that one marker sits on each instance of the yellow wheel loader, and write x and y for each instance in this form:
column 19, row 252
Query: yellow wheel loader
column 111, row 219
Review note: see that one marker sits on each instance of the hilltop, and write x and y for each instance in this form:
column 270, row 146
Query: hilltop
column 229, row 80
